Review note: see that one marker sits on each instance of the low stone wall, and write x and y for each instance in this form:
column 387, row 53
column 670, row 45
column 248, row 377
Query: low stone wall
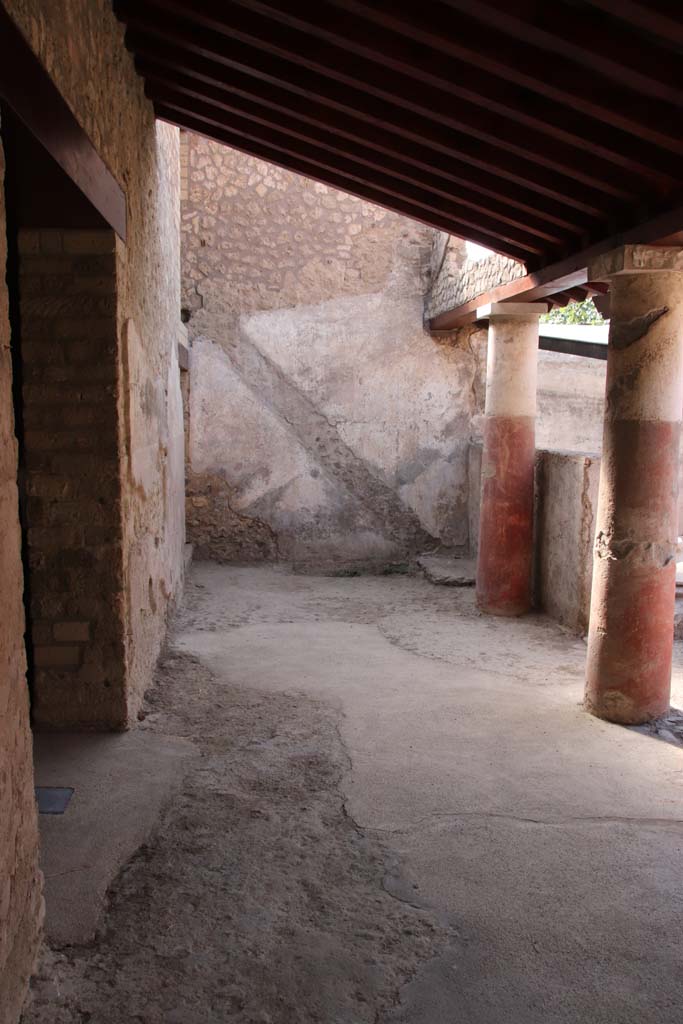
column 565, row 506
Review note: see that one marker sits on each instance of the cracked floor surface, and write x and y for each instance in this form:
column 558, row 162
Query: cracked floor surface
column 396, row 813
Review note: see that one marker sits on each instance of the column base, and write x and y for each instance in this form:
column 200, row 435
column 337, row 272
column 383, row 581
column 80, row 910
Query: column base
column 630, row 643
column 612, row 706
column 510, row 610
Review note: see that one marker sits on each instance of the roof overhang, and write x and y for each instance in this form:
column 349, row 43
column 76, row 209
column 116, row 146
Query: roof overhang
column 537, row 130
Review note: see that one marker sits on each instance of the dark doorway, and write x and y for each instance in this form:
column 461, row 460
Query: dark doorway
column 62, row 284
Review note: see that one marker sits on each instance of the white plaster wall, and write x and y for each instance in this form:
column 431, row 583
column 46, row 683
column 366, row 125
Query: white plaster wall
column 401, row 402
column 342, row 425
column 570, row 402
column 570, row 393
column 566, row 504
column 326, row 425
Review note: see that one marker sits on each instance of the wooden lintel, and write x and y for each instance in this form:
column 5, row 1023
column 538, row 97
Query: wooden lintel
column 573, row 347
column 28, row 90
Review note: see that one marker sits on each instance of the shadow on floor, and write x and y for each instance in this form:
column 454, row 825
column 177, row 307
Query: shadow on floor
column 669, row 728
column 120, row 783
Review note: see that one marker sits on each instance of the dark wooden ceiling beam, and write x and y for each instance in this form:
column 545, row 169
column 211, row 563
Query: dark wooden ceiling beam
column 426, row 48
column 165, row 86
column 587, row 37
column 29, row 91
column 559, row 198
column 434, row 168
column 559, row 299
column 661, row 20
column 577, row 294
column 444, row 213
column 300, row 165
column 330, row 62
column 569, row 195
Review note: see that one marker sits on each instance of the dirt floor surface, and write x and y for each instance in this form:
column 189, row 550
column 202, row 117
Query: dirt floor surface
column 395, row 813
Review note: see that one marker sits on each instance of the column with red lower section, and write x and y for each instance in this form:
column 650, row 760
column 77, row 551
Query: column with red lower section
column 507, row 473
column 630, row 637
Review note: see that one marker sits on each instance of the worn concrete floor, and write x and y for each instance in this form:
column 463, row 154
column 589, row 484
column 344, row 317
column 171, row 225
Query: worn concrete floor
column 121, row 782
column 395, row 812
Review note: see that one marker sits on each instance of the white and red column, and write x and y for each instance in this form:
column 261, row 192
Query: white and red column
column 507, row 472
column 634, row 568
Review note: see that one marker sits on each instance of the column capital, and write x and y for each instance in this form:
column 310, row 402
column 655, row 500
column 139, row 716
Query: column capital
column 636, row 259
column 512, row 310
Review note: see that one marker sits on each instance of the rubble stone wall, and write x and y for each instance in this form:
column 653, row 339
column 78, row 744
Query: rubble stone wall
column 458, row 278
column 325, row 424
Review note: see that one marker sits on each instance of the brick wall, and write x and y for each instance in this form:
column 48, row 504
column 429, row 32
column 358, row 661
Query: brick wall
column 20, row 881
column 72, row 482
column 81, row 45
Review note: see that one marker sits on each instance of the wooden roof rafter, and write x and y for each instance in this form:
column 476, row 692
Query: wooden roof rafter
column 540, row 131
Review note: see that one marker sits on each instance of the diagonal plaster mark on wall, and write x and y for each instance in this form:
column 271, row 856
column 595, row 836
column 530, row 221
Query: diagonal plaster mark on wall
column 318, row 435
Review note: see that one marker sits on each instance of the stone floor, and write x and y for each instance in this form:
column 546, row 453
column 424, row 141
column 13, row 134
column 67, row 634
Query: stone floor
column 392, row 811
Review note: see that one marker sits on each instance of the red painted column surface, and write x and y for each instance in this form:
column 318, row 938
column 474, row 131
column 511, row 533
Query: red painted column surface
column 630, row 635
column 507, row 474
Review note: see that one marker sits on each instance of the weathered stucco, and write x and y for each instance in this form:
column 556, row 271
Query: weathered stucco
column 570, row 402
column 81, row 45
column 566, row 503
column 80, row 42
column 325, row 425
column 20, row 881
column 569, row 396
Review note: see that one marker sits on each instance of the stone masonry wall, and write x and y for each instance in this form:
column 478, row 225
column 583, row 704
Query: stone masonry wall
column 21, row 905
column 72, row 477
column 80, row 43
column 458, row 278
column 325, row 425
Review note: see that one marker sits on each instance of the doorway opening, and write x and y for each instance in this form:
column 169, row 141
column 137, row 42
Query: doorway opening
column 64, row 340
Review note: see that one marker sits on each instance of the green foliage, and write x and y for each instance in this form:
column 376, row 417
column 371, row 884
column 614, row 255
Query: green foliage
column 574, row 313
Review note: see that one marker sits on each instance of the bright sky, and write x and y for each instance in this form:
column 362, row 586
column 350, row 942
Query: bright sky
column 477, row 252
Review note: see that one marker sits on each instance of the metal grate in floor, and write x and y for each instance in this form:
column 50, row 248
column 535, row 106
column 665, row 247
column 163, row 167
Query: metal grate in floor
column 53, row 799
